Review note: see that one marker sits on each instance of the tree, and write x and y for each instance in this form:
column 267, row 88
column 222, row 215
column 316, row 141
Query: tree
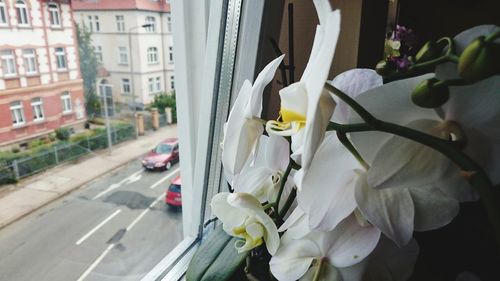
column 166, row 100
column 88, row 67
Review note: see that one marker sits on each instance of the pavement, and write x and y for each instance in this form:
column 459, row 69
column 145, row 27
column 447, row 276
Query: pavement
column 30, row 194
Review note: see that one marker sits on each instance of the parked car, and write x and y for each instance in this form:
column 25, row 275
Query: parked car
column 163, row 156
column 173, row 195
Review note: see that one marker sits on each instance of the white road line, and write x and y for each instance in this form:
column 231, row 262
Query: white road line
column 96, row 262
column 165, row 178
column 139, row 217
column 116, row 185
column 97, row 227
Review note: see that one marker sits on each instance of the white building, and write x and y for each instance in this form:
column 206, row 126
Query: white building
column 138, row 60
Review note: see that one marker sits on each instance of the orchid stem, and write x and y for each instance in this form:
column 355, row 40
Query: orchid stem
column 347, row 144
column 287, row 205
column 479, row 180
column 282, row 186
column 317, row 273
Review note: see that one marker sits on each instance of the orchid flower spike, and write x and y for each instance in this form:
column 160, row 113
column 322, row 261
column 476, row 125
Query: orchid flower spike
column 306, row 107
column 242, row 129
column 243, row 216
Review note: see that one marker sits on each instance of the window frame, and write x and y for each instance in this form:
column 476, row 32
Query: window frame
column 98, row 53
column 152, row 21
column 8, row 63
column 30, row 60
column 126, row 85
column 67, row 106
column 54, row 15
column 171, row 54
column 97, row 23
column 120, row 23
column 61, row 58
column 22, row 13
column 158, row 84
column 37, row 109
column 17, row 112
column 123, row 53
column 151, row 85
column 172, row 82
column 4, row 14
column 152, row 55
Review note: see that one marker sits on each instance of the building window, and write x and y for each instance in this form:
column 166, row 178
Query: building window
column 126, row 86
column 55, row 17
column 120, row 23
column 152, row 24
column 152, row 55
column 22, row 13
column 169, row 24
column 37, row 106
column 122, row 51
column 60, row 58
column 98, row 53
column 172, row 85
column 29, row 58
column 3, row 13
column 158, row 84
column 66, row 102
column 171, row 54
column 94, row 23
column 16, row 110
column 151, row 85
column 8, row 62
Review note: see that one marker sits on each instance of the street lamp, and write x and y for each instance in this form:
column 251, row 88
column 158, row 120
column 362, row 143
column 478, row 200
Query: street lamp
column 132, row 68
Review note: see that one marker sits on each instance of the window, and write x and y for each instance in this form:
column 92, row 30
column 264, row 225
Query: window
column 3, row 13
column 29, row 58
column 22, row 13
column 152, row 22
column 94, row 25
column 37, row 107
column 126, row 86
column 55, row 18
column 60, row 58
column 123, row 55
column 169, row 24
column 120, row 24
column 66, row 102
column 172, row 85
column 158, row 84
column 16, row 111
column 8, row 63
column 151, row 85
column 171, row 54
column 152, row 55
column 98, row 53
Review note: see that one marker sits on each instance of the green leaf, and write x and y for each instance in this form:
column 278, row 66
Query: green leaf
column 216, row 258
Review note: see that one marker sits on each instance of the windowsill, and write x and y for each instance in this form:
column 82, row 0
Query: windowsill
column 56, row 27
column 34, row 74
column 27, row 26
column 11, row 77
column 39, row 121
column 19, row 126
column 3, row 25
column 67, row 113
column 123, row 64
column 153, row 63
column 62, row 70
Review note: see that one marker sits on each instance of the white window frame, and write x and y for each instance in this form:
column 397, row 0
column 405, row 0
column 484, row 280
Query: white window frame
column 61, row 60
column 67, row 107
column 158, row 84
column 30, row 61
column 169, row 23
column 152, row 21
column 22, row 13
column 123, row 55
column 120, row 23
column 4, row 15
column 17, row 113
column 171, row 54
column 126, row 86
column 152, row 55
column 91, row 25
column 37, row 109
column 8, row 58
column 172, row 82
column 97, row 24
column 98, row 53
column 54, row 14
column 151, row 85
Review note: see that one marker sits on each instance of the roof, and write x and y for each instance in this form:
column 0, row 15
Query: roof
column 177, row 180
column 146, row 5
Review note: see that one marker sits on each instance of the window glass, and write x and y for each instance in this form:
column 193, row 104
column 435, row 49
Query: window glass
column 17, row 113
column 60, row 58
column 22, row 13
column 151, row 85
column 152, row 24
column 123, row 55
column 3, row 13
column 8, row 62
column 163, row 149
column 98, row 53
column 66, row 102
column 97, row 24
column 30, row 62
column 120, row 23
column 158, row 84
column 37, row 109
column 55, row 18
column 152, row 55
column 126, row 86
column 169, row 24
column 172, row 85
column 171, row 54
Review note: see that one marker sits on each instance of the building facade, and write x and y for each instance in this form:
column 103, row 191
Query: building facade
column 40, row 81
column 133, row 40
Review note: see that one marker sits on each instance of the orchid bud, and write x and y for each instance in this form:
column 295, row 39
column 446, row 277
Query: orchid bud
column 479, row 60
column 431, row 50
column 452, row 131
column 430, row 93
column 383, row 68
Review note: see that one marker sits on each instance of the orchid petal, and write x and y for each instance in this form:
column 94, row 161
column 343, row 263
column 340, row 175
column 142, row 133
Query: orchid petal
column 254, row 180
column 264, row 77
column 433, row 209
column 293, row 258
column 353, row 82
column 296, row 225
column 390, row 210
column 230, row 216
column 331, row 175
column 454, row 185
column 327, row 273
column 351, row 242
column 277, row 153
column 402, row 163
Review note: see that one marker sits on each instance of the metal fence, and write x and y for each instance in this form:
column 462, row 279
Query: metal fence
column 23, row 167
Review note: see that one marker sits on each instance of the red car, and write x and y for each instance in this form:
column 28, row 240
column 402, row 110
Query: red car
column 163, row 156
column 173, row 195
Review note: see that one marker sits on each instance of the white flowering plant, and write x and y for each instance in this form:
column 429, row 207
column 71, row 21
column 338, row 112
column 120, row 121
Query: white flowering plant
column 335, row 188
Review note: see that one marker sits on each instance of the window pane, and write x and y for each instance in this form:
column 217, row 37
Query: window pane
column 3, row 12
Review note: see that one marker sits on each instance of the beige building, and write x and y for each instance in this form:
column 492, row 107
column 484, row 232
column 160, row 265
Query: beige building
column 133, row 40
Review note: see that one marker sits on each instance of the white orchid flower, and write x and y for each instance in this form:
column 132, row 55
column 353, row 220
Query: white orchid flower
column 262, row 177
column 243, row 216
column 348, row 244
column 242, row 130
column 306, row 107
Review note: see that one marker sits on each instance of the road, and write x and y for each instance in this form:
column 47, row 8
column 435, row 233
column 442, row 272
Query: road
column 114, row 228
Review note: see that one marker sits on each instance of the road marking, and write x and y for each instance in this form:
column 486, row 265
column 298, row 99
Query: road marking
column 132, row 177
column 97, row 227
column 139, row 217
column 96, row 262
column 165, row 178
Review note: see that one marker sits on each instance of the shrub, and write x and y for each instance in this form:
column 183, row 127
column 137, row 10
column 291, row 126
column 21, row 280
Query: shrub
column 164, row 100
column 62, row 133
column 15, row 149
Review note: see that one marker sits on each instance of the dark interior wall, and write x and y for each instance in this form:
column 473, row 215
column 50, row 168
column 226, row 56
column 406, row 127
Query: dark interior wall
column 372, row 32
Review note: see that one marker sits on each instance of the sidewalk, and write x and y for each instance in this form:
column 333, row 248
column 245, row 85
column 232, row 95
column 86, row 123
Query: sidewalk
column 36, row 191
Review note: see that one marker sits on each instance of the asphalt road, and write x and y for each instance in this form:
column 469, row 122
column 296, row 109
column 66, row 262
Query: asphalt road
column 114, row 228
